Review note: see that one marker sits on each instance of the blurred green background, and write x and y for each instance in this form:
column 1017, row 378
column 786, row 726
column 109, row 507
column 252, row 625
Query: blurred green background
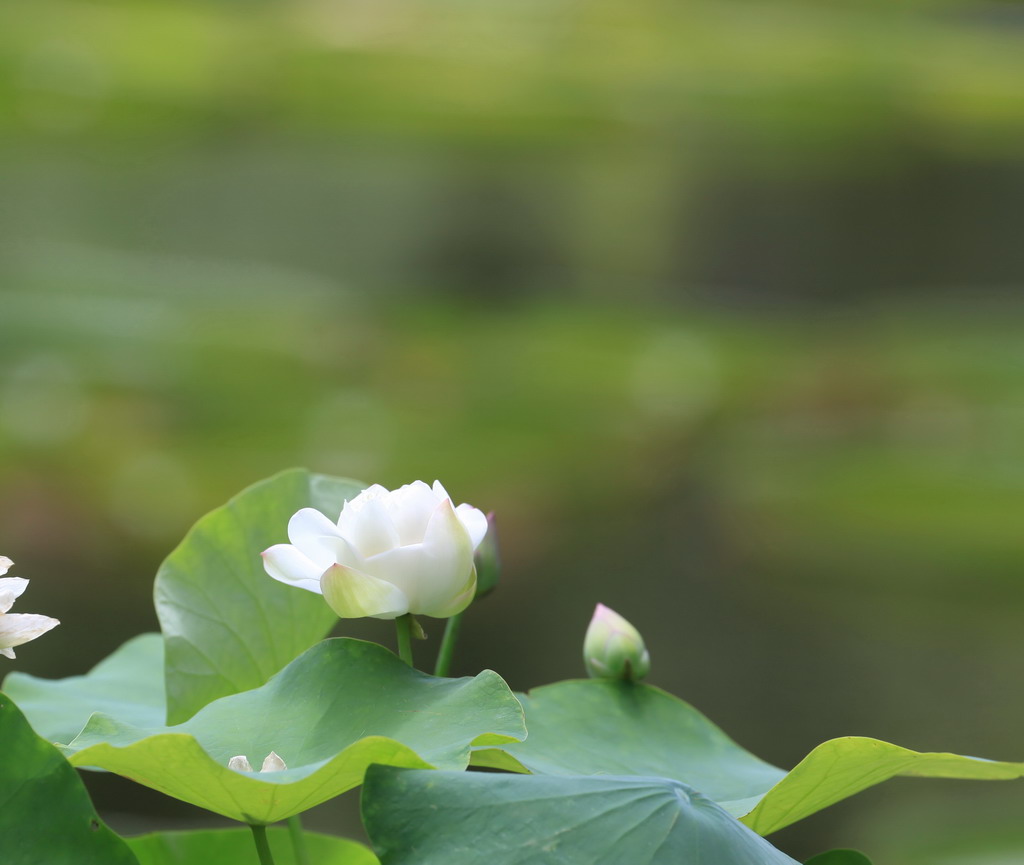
column 717, row 305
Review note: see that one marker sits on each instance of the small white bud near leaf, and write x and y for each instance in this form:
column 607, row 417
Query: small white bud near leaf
column 613, row 648
column 17, row 628
column 240, row 763
column 273, row 763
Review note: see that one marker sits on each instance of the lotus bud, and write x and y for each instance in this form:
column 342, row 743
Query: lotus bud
column 613, row 648
column 487, row 560
column 240, row 763
column 273, row 763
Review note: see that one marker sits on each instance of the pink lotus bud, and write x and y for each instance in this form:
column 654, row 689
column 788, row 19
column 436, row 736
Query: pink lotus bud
column 613, row 648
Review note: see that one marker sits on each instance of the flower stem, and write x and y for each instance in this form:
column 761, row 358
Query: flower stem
column 259, row 835
column 298, row 840
column 403, row 624
column 448, row 641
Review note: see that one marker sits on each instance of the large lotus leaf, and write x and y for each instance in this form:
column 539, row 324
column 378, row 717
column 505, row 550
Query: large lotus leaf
column 448, row 818
column 839, row 768
column 229, row 627
column 339, row 707
column 127, row 685
column 596, row 727
column 45, row 812
column 236, row 847
column 839, row 857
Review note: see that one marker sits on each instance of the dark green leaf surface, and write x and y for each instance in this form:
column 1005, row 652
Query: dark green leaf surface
column 596, row 727
column 235, row 847
column 228, row 626
column 839, row 857
column 46, row 817
column 449, row 818
column 341, row 706
column 128, row 685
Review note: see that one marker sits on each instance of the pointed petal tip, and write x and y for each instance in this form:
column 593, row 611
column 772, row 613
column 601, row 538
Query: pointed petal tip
column 273, row 763
column 290, row 566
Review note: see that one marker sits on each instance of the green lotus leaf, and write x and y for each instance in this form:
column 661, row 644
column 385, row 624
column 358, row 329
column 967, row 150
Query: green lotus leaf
column 593, row 727
column 235, row 847
column 229, row 627
column 599, row 727
column 449, row 818
column 339, row 707
column 45, row 812
column 127, row 685
column 839, row 768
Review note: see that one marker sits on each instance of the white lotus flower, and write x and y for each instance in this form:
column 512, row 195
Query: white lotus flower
column 390, row 553
column 17, row 628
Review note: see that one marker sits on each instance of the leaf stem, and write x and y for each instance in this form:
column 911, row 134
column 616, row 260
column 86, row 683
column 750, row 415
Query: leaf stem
column 298, row 840
column 259, row 835
column 403, row 625
column 448, row 641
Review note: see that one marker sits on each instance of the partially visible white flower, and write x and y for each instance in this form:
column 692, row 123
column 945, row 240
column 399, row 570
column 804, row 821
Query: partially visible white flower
column 390, row 553
column 271, row 763
column 613, row 648
column 17, row 628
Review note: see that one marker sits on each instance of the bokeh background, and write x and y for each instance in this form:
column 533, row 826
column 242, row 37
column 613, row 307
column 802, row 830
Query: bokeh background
column 716, row 304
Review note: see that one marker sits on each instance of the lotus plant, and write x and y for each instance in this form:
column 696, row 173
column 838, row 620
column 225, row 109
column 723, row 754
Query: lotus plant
column 608, row 769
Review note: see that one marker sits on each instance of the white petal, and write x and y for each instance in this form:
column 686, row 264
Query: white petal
column 353, row 594
column 352, row 507
column 10, row 588
column 475, row 522
column 273, row 763
column 368, row 528
column 410, row 507
column 309, row 523
column 240, row 763
column 432, row 574
column 7, row 653
column 5, row 565
column 317, row 537
column 440, row 491
column 18, row 628
column 288, row 565
column 459, row 602
column 446, row 536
